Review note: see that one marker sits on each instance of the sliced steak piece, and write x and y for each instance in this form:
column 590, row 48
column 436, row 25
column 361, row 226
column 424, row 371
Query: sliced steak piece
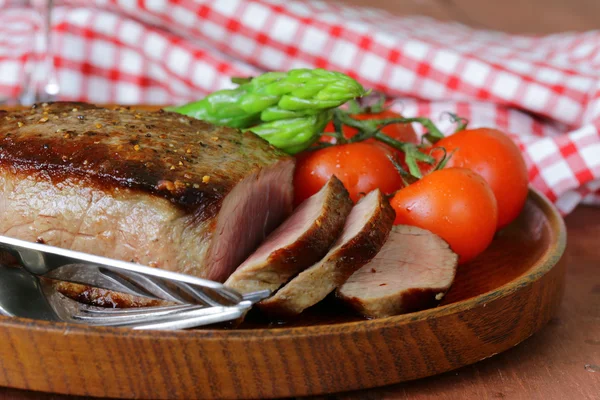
column 302, row 240
column 155, row 188
column 366, row 229
column 412, row 271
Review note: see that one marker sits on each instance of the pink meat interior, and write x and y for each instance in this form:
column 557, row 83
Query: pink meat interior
column 291, row 230
column 405, row 261
column 248, row 214
column 361, row 213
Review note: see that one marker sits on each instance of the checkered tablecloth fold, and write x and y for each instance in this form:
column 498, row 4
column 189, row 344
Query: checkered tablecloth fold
column 544, row 91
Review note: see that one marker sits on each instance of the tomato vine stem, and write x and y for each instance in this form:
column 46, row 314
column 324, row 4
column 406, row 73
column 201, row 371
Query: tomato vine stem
column 461, row 121
column 407, row 178
column 337, row 124
column 372, row 129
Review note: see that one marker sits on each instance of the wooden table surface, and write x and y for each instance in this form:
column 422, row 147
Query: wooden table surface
column 562, row 361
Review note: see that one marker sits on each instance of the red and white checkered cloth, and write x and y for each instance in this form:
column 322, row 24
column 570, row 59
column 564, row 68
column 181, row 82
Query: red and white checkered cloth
column 543, row 90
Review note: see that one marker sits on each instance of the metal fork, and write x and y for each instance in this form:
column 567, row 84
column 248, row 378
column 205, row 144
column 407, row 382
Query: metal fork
column 101, row 272
column 24, row 295
column 200, row 301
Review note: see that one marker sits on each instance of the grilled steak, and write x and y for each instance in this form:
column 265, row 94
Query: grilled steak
column 366, row 229
column 411, row 272
column 302, row 240
column 155, row 188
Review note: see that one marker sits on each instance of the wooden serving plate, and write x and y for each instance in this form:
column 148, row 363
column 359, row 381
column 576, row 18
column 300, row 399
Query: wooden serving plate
column 497, row 301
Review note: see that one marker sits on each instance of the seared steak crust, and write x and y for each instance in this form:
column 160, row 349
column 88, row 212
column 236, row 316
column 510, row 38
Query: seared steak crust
column 304, row 239
column 190, row 162
column 366, row 230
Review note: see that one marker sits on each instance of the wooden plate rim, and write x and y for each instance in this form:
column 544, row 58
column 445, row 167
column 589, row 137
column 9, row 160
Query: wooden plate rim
column 547, row 261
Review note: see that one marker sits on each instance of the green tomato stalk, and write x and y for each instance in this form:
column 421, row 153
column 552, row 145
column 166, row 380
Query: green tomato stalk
column 371, row 128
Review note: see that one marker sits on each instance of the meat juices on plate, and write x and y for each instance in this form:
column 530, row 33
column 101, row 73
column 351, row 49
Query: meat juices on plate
column 365, row 231
column 411, row 272
column 302, row 240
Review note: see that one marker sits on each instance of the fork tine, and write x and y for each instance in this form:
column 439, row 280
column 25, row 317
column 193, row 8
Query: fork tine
column 153, row 287
column 92, row 276
column 167, row 289
column 132, row 310
column 230, row 314
column 255, row 297
column 98, row 314
column 138, row 284
column 92, row 313
column 196, row 312
column 197, row 294
column 107, row 319
column 167, row 318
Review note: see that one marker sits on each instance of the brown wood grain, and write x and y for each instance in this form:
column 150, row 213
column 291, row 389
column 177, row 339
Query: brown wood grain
column 507, row 295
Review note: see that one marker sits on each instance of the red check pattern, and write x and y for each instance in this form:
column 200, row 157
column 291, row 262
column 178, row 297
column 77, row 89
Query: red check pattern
column 544, row 91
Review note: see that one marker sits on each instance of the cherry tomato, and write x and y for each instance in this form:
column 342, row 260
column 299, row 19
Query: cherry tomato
column 401, row 132
column 455, row 203
column 494, row 156
column 360, row 166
